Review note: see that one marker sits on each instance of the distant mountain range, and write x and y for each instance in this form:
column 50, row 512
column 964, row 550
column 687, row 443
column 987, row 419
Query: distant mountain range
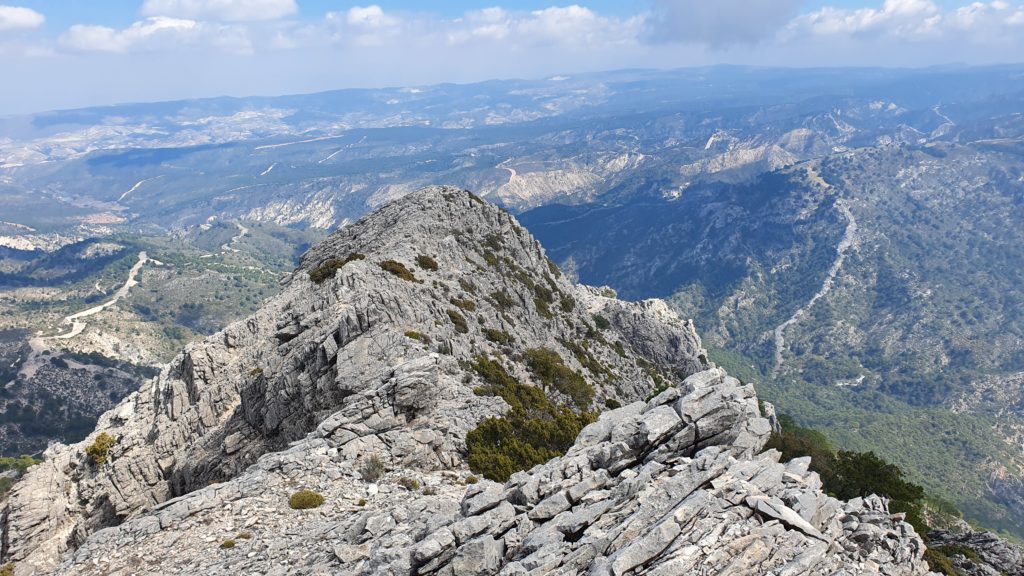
column 848, row 239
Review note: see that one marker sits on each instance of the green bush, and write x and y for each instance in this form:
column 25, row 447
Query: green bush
column 549, row 368
column 619, row 349
column 497, row 336
column 601, row 322
column 467, row 305
column 244, row 536
column 612, row 403
column 534, row 430
column 7, row 569
column 849, row 475
column 471, row 479
column 418, row 336
column 372, row 469
column 305, row 500
column 18, row 464
column 99, row 450
column 567, row 303
column 584, row 357
column 502, row 300
column 227, row 544
column 951, row 550
column 938, row 562
column 362, row 502
column 398, row 269
column 426, row 262
column 459, row 321
column 409, row 483
column 543, row 308
column 330, row 267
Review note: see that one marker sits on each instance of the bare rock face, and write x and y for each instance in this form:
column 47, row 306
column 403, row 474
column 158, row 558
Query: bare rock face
column 371, row 359
column 983, row 553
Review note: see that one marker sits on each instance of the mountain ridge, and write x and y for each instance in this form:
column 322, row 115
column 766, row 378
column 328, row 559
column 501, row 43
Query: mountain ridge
column 384, row 342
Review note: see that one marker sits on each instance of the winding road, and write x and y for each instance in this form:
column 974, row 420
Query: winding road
column 77, row 326
column 38, row 343
column 848, row 241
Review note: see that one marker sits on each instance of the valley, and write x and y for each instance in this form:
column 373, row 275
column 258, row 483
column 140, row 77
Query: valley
column 844, row 241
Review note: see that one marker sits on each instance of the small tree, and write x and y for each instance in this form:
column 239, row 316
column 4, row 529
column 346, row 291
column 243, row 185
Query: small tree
column 99, row 450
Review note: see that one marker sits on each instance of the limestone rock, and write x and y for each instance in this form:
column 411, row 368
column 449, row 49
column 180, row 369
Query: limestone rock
column 374, row 361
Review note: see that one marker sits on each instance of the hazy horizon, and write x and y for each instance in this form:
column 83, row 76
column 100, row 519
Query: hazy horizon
column 64, row 55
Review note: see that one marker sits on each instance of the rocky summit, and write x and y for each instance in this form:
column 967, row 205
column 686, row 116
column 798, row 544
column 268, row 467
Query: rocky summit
column 327, row 434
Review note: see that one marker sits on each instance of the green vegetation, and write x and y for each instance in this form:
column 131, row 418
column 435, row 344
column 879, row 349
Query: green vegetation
column 244, row 536
column 361, row 502
column 19, row 466
column 409, row 483
column 932, row 446
column 7, row 569
column 305, row 500
column 552, row 372
column 467, row 305
column 471, row 479
column 532, row 432
column 849, row 475
column 584, row 357
column 612, row 403
column 459, row 321
column 329, row 268
column 601, row 322
column 543, row 308
column 426, row 262
column 418, row 336
column 567, row 303
column 965, row 551
column 228, row 544
column 497, row 336
column 502, row 300
column 939, row 562
column 372, row 469
column 660, row 384
column 99, row 450
column 398, row 269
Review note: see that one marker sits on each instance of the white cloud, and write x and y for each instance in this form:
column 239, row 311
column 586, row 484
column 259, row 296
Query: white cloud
column 221, row 10
column 573, row 27
column 372, row 16
column 156, row 33
column 364, row 26
column 914, row 20
column 19, row 18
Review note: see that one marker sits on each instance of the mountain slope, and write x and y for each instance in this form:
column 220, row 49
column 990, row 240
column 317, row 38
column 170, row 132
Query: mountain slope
column 873, row 290
column 384, row 350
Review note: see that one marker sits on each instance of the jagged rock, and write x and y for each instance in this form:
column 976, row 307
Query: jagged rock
column 995, row 555
column 374, row 362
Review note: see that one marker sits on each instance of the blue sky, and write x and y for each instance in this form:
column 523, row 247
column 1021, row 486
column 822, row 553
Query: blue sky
column 69, row 53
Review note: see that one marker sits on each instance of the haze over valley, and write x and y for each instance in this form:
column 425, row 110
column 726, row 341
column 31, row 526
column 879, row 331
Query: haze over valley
column 642, row 286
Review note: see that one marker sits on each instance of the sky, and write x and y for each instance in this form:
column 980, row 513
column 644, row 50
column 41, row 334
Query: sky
column 72, row 53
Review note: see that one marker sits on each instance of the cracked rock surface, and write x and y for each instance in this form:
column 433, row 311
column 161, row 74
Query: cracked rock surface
column 374, row 362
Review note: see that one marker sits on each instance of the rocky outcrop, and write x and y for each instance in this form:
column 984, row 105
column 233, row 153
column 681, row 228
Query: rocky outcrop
column 676, row 485
column 375, row 361
column 979, row 553
column 370, row 356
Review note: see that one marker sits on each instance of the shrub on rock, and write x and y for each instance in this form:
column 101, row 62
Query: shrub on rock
column 99, row 450
column 305, row 500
